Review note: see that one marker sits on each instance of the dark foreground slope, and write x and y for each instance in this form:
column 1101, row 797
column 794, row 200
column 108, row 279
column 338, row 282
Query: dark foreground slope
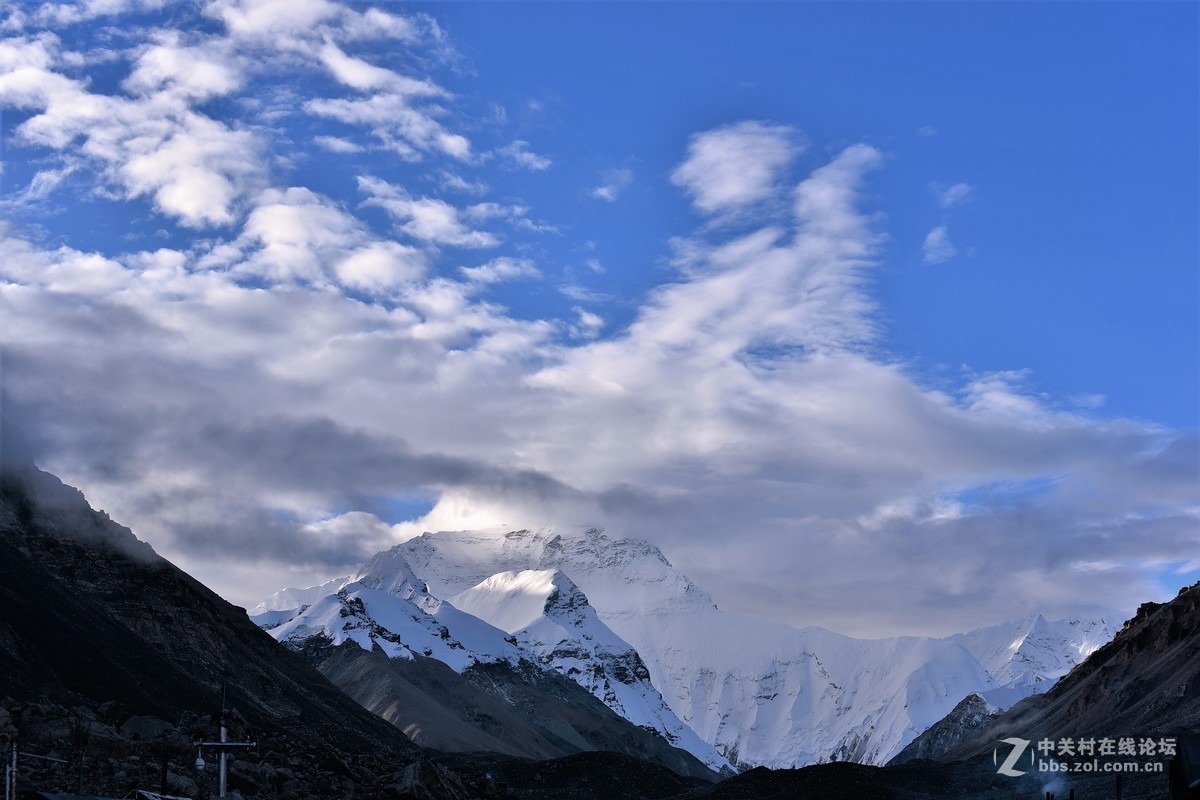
column 115, row 660
column 97, row 630
column 520, row 711
column 1145, row 682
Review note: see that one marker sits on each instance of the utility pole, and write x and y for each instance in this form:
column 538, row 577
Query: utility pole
column 10, row 769
column 223, row 747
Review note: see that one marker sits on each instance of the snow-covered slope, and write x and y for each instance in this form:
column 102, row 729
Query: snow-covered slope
column 761, row 692
column 386, row 605
column 552, row 620
column 402, row 627
column 1034, row 652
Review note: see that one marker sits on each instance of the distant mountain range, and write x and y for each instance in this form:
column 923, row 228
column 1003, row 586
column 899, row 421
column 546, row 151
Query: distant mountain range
column 529, row 668
column 615, row 617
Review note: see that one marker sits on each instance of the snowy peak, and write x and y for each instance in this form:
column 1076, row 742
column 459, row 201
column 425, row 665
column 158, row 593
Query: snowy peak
column 547, row 613
column 401, row 628
column 1034, row 652
column 620, row 576
column 551, row 619
column 617, row 618
column 389, row 572
column 536, row 615
column 286, row 603
column 514, row 600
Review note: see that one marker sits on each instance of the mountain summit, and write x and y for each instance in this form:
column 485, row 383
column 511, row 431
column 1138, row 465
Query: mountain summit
column 617, row 618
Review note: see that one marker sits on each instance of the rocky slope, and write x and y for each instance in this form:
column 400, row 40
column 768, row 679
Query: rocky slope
column 1145, row 682
column 969, row 716
column 560, row 660
column 110, row 653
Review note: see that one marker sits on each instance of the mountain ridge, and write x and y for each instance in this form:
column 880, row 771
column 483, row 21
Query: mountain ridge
column 759, row 692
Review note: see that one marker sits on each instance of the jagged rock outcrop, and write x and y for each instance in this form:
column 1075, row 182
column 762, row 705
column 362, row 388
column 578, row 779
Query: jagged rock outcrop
column 947, row 733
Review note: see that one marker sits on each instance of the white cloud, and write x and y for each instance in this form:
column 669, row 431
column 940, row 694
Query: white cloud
column 949, row 197
column 381, row 266
column 364, row 76
column 587, row 324
column 582, row 294
column 231, row 396
column 57, row 15
column 458, row 183
column 153, row 144
column 293, row 231
column 425, row 219
column 273, row 18
column 937, row 247
column 194, row 72
column 519, row 154
column 41, row 186
column 393, row 119
column 336, row 144
column 730, row 167
column 501, row 269
column 612, row 183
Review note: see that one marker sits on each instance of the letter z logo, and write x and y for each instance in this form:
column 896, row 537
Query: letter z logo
column 1018, row 747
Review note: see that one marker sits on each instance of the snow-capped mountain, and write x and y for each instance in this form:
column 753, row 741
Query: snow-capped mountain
column 539, row 617
column 550, row 617
column 1030, row 654
column 759, row 692
column 385, row 605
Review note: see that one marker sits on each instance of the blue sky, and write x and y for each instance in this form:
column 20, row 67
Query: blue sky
column 798, row 291
column 1074, row 125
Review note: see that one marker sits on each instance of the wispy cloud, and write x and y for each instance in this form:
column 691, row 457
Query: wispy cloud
column 501, row 269
column 612, row 183
column 425, row 219
column 937, row 247
column 519, row 154
column 951, row 196
column 336, row 144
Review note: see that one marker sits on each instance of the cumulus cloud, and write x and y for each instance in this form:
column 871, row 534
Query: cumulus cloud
column 152, row 144
column 729, row 167
column 937, row 246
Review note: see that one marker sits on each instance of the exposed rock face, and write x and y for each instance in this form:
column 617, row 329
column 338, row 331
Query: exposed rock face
column 947, row 733
column 1145, row 682
column 514, row 709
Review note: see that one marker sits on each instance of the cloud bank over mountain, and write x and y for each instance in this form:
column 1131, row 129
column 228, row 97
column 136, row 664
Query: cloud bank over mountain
column 264, row 295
